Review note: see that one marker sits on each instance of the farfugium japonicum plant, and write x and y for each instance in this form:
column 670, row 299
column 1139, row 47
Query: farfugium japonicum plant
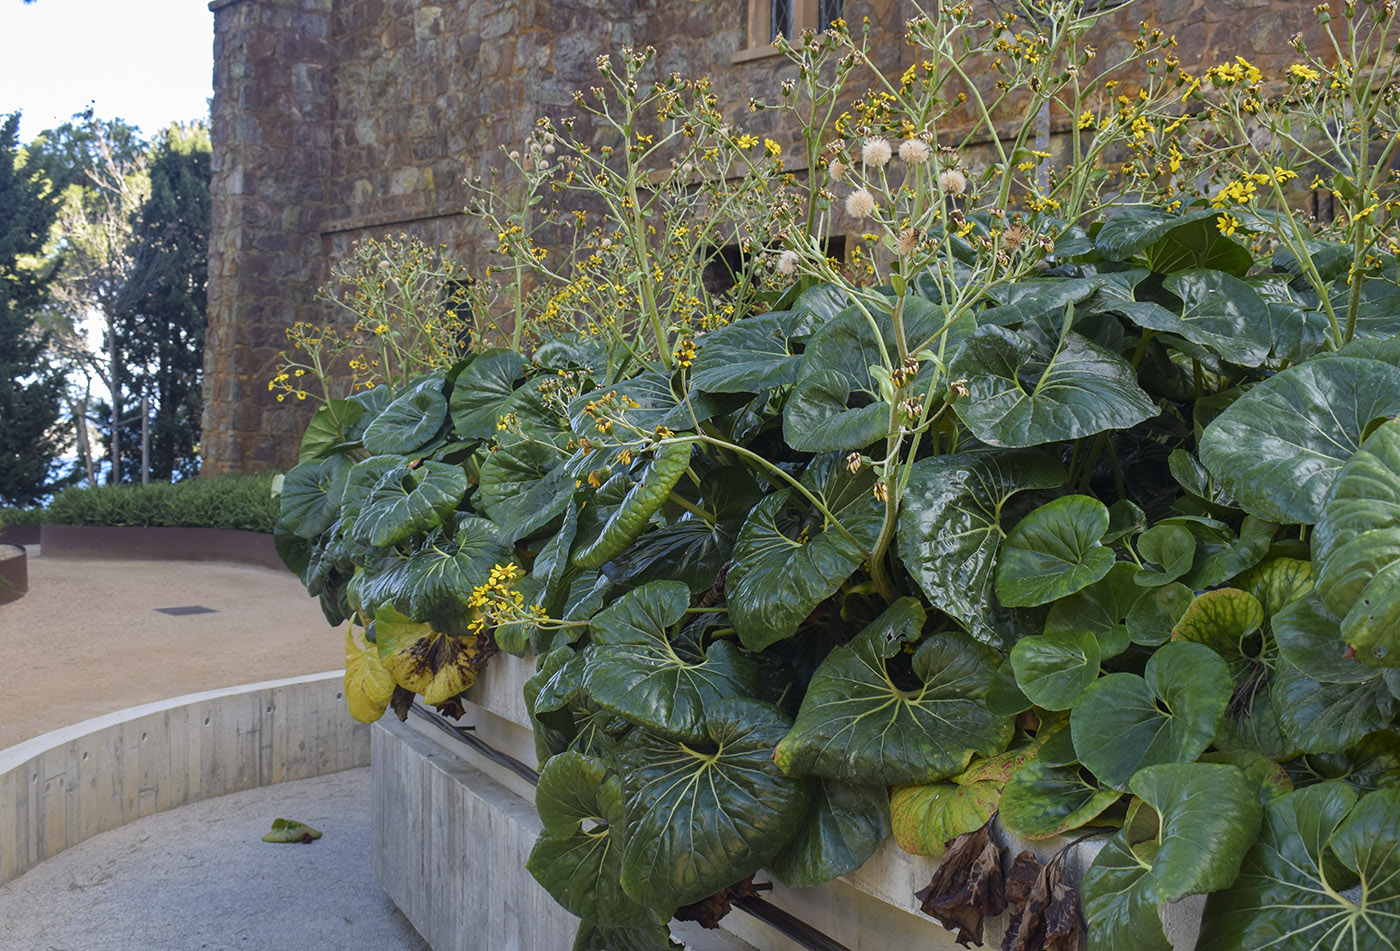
column 1066, row 494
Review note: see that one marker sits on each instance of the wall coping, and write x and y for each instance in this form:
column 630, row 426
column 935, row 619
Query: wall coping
column 69, row 784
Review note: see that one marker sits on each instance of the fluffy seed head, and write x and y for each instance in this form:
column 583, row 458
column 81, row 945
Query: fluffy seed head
column 914, row 151
column 837, row 169
column 906, row 241
column 953, row 182
column 860, row 203
column 787, row 262
column 876, row 151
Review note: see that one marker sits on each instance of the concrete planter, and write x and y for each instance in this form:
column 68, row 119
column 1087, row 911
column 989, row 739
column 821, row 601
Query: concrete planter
column 454, row 821
column 14, row 572
column 159, row 543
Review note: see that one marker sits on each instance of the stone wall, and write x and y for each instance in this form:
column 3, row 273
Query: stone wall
column 339, row 119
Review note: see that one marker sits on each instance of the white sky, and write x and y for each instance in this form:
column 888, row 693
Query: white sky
column 146, row 61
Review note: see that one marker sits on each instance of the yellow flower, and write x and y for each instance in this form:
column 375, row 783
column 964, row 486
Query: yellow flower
column 746, row 141
column 381, row 329
column 1302, row 73
column 1227, row 224
column 1086, row 120
column 772, row 148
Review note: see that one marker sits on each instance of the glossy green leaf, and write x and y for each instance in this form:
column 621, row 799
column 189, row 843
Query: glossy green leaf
column 1042, row 801
column 1054, row 669
column 1277, row 582
column 1310, row 638
column 750, row 355
column 1279, row 448
column 436, row 582
column 329, row 428
column 578, row 856
column 1155, row 613
column 1328, row 717
column 1137, row 229
column 1219, row 554
column 1207, row 818
column 638, row 672
column 1221, row 312
column 1314, row 845
column 950, row 529
column 1025, row 389
column 1053, row 552
column 1169, row 715
column 523, row 487
column 1171, row 548
column 652, row 483
column 481, row 390
column 845, row 825
column 1101, row 608
column 857, row 724
column 410, row 421
column 1268, row 778
column 310, row 495
column 836, row 404
column 1357, row 549
column 704, row 815
column 788, row 559
column 409, row 501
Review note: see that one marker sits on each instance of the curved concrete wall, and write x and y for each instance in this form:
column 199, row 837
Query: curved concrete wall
column 68, row 785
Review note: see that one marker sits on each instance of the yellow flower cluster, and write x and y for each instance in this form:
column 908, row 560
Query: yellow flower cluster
column 496, row 603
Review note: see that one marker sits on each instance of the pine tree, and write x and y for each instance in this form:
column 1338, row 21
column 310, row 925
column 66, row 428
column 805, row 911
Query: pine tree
column 31, row 434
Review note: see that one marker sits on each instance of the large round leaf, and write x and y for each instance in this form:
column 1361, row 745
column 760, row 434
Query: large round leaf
column 1315, row 844
column 1221, row 312
column 1207, row 817
column 578, row 856
column 750, row 355
column 327, row 432
column 837, row 403
column 857, row 724
column 1102, row 609
column 438, row 579
column 1329, row 717
column 1025, row 389
column 1278, row 448
column 704, row 815
column 523, row 487
column 1169, row 715
column 310, row 493
column 1053, row 552
column 1357, row 547
column 845, row 825
column 1150, row 232
column 636, row 671
column 481, row 390
column 950, row 528
column 788, row 559
column 1041, row 801
column 408, row 501
column 410, row 421
column 1054, row 669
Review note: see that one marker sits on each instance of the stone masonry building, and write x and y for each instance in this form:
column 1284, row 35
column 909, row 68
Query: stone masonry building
column 339, row 119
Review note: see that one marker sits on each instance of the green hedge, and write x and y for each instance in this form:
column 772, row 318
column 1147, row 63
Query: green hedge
column 240, row 502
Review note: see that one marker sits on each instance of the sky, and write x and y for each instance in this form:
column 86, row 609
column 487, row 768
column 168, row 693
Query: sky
column 146, row 61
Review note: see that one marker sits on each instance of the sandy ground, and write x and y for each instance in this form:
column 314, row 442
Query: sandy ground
column 88, row 639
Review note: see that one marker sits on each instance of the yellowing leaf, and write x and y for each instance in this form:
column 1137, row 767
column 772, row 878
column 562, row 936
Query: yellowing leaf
column 368, row 685
column 419, row 659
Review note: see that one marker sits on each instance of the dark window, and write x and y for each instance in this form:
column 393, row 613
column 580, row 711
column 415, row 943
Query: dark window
column 827, row 11
column 780, row 17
